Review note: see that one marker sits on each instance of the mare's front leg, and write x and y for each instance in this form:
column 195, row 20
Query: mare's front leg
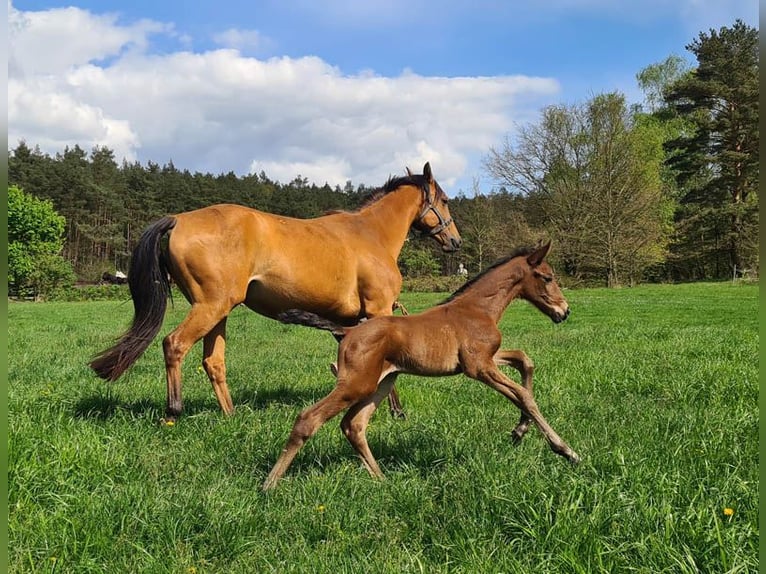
column 523, row 364
column 490, row 375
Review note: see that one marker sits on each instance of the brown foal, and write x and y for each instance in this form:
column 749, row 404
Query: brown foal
column 458, row 336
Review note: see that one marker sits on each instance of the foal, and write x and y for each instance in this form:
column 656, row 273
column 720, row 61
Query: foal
column 458, row 336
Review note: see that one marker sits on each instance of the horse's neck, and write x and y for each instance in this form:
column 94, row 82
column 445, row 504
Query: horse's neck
column 392, row 216
column 492, row 294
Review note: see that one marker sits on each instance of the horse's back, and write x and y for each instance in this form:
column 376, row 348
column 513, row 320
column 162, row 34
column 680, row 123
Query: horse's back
column 271, row 262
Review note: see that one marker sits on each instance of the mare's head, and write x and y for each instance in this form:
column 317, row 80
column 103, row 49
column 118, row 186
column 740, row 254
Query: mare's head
column 435, row 219
column 539, row 285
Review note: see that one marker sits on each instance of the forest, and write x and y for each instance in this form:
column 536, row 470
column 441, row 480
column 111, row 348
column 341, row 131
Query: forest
column 665, row 190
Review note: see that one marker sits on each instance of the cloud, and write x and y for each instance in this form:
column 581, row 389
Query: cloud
column 241, row 39
column 88, row 79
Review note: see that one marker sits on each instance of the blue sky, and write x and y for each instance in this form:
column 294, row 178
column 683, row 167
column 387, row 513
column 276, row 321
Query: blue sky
column 335, row 90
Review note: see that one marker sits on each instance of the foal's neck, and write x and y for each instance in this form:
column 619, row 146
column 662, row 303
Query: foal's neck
column 492, row 294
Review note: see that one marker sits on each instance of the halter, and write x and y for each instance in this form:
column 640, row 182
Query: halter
column 443, row 223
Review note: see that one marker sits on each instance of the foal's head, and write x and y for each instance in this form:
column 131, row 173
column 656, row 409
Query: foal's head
column 539, row 286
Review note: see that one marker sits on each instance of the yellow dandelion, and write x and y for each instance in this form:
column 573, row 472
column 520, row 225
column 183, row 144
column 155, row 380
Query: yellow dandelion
column 170, row 423
column 191, row 570
column 320, row 508
column 728, row 512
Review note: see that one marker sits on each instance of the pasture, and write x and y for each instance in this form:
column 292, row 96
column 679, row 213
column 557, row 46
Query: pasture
column 656, row 387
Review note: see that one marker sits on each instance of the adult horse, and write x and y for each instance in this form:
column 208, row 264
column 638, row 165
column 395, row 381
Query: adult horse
column 341, row 266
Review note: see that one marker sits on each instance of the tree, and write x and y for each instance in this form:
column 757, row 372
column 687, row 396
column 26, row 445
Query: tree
column 416, row 259
column 491, row 226
column 656, row 79
column 716, row 160
column 35, row 241
column 592, row 174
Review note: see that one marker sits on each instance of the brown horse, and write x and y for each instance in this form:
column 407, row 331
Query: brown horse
column 458, row 336
column 340, row 266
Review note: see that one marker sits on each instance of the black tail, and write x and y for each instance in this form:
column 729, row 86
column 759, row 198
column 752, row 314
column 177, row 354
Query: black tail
column 150, row 288
column 300, row 317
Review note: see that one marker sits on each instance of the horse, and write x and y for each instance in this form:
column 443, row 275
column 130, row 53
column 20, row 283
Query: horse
column 460, row 335
column 109, row 279
column 341, row 266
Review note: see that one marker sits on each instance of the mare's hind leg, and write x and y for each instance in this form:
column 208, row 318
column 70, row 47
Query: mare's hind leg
column 519, row 396
column 309, row 421
column 215, row 366
column 394, row 404
column 354, row 424
column 523, row 364
column 201, row 320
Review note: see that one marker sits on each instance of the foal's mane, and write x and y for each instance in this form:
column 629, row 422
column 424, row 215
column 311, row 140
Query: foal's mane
column 518, row 252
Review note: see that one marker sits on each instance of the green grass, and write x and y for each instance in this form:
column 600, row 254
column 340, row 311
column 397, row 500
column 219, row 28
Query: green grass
column 655, row 387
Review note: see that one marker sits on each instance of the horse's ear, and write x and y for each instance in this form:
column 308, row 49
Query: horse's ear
column 539, row 254
column 409, row 172
column 427, row 172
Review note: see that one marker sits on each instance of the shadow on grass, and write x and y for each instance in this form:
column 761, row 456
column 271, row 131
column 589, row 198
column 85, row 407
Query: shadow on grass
column 419, row 452
column 105, row 406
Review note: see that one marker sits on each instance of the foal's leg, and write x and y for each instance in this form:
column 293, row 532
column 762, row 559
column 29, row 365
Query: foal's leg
column 200, row 320
column 213, row 361
column 523, row 364
column 354, row 424
column 308, row 423
column 520, row 397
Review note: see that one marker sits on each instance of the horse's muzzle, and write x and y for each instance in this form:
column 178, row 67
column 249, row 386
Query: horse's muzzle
column 453, row 244
column 560, row 317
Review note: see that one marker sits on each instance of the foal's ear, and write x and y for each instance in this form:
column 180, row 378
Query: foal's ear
column 409, row 172
column 427, row 172
column 536, row 257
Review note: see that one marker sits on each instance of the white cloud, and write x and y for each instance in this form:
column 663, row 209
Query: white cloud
column 87, row 79
column 241, row 39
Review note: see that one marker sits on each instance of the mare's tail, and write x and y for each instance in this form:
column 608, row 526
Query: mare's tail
column 300, row 317
column 150, row 288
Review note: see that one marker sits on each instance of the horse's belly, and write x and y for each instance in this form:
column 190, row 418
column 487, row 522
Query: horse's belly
column 273, row 297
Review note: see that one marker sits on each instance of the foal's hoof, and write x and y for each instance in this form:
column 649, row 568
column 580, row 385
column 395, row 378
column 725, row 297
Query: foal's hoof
column 574, row 458
column 516, row 437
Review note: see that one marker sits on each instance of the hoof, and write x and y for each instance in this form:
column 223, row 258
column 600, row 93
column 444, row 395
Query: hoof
column 516, row 437
column 398, row 415
column 574, row 458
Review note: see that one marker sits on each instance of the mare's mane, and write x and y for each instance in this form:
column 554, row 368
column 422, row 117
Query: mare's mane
column 518, row 252
column 393, row 184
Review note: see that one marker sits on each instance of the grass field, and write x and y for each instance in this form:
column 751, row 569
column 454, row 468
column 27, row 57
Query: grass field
column 655, row 387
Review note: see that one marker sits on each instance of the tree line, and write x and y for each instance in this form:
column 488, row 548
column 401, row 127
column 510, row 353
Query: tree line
column 661, row 191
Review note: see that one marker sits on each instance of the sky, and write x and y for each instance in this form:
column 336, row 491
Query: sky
column 333, row 90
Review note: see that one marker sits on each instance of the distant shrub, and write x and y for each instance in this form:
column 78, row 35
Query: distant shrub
column 432, row 284
column 90, row 293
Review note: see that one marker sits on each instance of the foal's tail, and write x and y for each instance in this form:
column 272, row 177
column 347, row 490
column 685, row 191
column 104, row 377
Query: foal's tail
column 300, row 317
column 150, row 288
